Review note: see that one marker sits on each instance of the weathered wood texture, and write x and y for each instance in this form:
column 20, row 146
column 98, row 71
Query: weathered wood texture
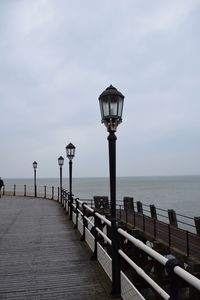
column 41, row 256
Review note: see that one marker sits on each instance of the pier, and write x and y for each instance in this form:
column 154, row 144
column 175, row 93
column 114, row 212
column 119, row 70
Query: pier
column 73, row 241
column 41, row 255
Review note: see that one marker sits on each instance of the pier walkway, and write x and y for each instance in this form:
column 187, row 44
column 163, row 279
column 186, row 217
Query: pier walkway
column 41, row 256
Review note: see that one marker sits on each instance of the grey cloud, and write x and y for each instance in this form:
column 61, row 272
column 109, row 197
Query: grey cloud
column 57, row 57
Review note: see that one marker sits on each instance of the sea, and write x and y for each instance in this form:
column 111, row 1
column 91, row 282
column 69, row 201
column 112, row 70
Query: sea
column 181, row 193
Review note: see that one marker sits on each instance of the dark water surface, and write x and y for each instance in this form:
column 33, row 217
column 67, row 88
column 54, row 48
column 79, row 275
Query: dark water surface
column 181, row 193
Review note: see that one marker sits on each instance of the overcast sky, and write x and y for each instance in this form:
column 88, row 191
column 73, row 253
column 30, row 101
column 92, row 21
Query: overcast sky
column 56, row 58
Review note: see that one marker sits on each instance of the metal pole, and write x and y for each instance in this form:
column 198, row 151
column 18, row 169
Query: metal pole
column 35, row 182
column 60, row 184
column 24, row 190
column 70, row 187
column 116, row 288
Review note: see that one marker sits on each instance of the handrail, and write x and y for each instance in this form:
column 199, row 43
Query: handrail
column 147, row 278
column 162, row 260
column 192, row 280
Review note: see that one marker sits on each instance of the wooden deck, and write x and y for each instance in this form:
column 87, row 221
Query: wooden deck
column 178, row 240
column 41, row 255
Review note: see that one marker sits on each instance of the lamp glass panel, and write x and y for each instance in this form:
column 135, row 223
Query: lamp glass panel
column 120, row 107
column 105, row 108
column 101, row 109
column 70, row 152
column 113, row 107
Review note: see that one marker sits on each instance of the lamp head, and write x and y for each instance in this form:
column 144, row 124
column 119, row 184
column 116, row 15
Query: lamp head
column 70, row 151
column 111, row 106
column 35, row 165
column 60, row 161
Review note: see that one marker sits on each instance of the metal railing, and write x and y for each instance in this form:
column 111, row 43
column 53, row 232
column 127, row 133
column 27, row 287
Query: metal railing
column 180, row 221
column 92, row 225
column 47, row 192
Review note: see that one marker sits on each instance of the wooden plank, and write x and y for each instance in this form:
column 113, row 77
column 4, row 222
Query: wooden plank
column 41, row 256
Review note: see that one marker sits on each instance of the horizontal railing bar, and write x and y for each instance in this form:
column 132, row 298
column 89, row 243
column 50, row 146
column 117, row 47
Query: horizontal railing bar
column 104, row 219
column 89, row 220
column 192, row 280
column 79, row 211
column 104, row 236
column 187, row 217
column 186, row 223
column 89, row 208
column 166, row 217
column 143, row 247
column 148, row 279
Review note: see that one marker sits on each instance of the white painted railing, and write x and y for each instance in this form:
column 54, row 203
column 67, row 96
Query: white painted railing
column 128, row 290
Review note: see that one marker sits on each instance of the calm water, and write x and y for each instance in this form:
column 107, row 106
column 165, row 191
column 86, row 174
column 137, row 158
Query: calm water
column 181, row 193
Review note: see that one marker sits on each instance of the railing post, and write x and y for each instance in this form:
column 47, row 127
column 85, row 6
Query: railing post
column 14, row 190
column 187, row 239
column 153, row 211
column 52, row 196
column 174, row 279
column 194, row 268
column 84, row 221
column 129, row 202
column 169, row 235
column 58, row 193
column 77, row 213
column 116, row 282
column 25, row 190
column 143, row 220
column 154, row 223
column 139, row 207
column 3, row 190
column 64, row 199
column 197, row 224
column 63, row 195
column 45, row 192
column 158, row 268
column 172, row 218
column 95, row 234
column 66, row 202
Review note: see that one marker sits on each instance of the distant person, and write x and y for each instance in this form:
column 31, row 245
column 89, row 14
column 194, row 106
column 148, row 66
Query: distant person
column 1, row 184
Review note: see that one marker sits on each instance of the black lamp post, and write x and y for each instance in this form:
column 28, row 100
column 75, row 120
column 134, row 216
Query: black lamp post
column 60, row 163
column 35, row 187
column 111, row 106
column 70, row 151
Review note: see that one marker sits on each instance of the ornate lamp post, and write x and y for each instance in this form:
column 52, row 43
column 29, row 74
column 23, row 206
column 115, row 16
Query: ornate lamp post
column 35, row 187
column 60, row 163
column 70, row 151
column 111, row 106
